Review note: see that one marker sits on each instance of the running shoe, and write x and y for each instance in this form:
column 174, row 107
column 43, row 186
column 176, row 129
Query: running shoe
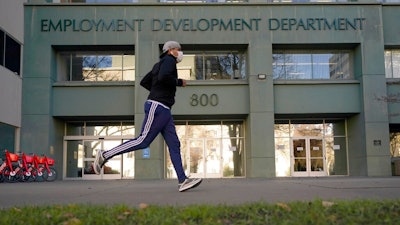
column 189, row 183
column 99, row 162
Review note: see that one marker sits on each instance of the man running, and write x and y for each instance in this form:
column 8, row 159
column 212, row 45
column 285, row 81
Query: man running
column 161, row 81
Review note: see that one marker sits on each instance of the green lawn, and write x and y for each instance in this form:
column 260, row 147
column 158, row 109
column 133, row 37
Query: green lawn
column 316, row 212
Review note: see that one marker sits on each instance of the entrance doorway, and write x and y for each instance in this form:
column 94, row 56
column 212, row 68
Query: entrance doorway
column 308, row 156
column 209, row 149
column 80, row 156
column 83, row 140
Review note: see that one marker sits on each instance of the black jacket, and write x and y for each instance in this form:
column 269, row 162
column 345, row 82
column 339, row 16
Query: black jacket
column 162, row 81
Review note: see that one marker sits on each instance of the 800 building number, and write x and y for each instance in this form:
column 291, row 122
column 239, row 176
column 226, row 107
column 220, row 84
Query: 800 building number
column 204, row 100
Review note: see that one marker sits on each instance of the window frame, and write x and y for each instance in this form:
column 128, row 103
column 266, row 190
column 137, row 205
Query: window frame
column 11, row 53
column 389, row 68
column 69, row 76
column 2, row 47
column 312, row 63
column 203, row 54
column 203, row 1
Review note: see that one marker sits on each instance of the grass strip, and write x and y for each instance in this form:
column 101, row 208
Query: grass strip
column 314, row 212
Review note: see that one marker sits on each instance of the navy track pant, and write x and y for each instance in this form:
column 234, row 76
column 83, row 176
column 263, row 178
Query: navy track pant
column 158, row 119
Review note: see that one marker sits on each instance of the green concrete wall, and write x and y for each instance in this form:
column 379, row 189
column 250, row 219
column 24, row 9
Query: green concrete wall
column 300, row 98
column 93, row 100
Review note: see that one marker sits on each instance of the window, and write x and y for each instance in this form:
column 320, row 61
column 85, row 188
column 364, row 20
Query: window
column 210, row 149
column 208, row 65
column 96, row 66
column 331, row 131
column 392, row 63
column 201, row 1
column 395, row 144
column 94, row 1
column 2, row 48
column 7, row 137
column 13, row 55
column 295, row 64
column 84, row 139
column 300, row 1
column 10, row 53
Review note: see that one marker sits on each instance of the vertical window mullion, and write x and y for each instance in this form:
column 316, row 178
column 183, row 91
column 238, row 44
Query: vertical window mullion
column 122, row 66
column 70, row 67
column 283, row 65
column 312, row 64
column 96, row 68
column 204, row 70
column 391, row 64
column 286, row 65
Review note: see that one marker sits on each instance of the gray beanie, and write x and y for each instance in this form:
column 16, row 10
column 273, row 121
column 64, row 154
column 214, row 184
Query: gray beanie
column 170, row 45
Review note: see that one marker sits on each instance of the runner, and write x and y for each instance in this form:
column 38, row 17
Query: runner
column 161, row 81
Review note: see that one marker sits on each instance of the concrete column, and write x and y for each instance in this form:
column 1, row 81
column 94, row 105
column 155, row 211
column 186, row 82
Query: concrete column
column 147, row 53
column 376, row 129
column 260, row 135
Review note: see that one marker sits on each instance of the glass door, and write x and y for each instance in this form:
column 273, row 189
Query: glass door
column 111, row 170
column 204, row 158
column 317, row 157
column 299, row 157
column 90, row 148
column 195, row 160
column 213, row 159
column 308, row 157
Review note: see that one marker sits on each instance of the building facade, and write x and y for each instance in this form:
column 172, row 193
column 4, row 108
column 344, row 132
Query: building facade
column 11, row 49
column 274, row 89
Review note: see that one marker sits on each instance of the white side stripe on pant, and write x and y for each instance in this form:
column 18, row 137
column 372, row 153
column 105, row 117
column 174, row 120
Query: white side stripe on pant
column 139, row 139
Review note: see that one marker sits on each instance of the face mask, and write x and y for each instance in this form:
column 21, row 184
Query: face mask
column 179, row 57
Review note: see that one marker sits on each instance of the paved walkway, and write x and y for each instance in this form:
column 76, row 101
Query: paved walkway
column 211, row 191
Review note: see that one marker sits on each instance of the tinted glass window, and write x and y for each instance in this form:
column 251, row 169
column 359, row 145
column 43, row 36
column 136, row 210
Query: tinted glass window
column 96, row 66
column 12, row 55
column 295, row 65
column 392, row 63
column 212, row 66
column 1, row 48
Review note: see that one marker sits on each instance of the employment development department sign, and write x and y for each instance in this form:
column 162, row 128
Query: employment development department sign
column 192, row 25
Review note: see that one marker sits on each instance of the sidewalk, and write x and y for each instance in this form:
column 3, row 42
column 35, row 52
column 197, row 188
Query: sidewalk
column 211, row 191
